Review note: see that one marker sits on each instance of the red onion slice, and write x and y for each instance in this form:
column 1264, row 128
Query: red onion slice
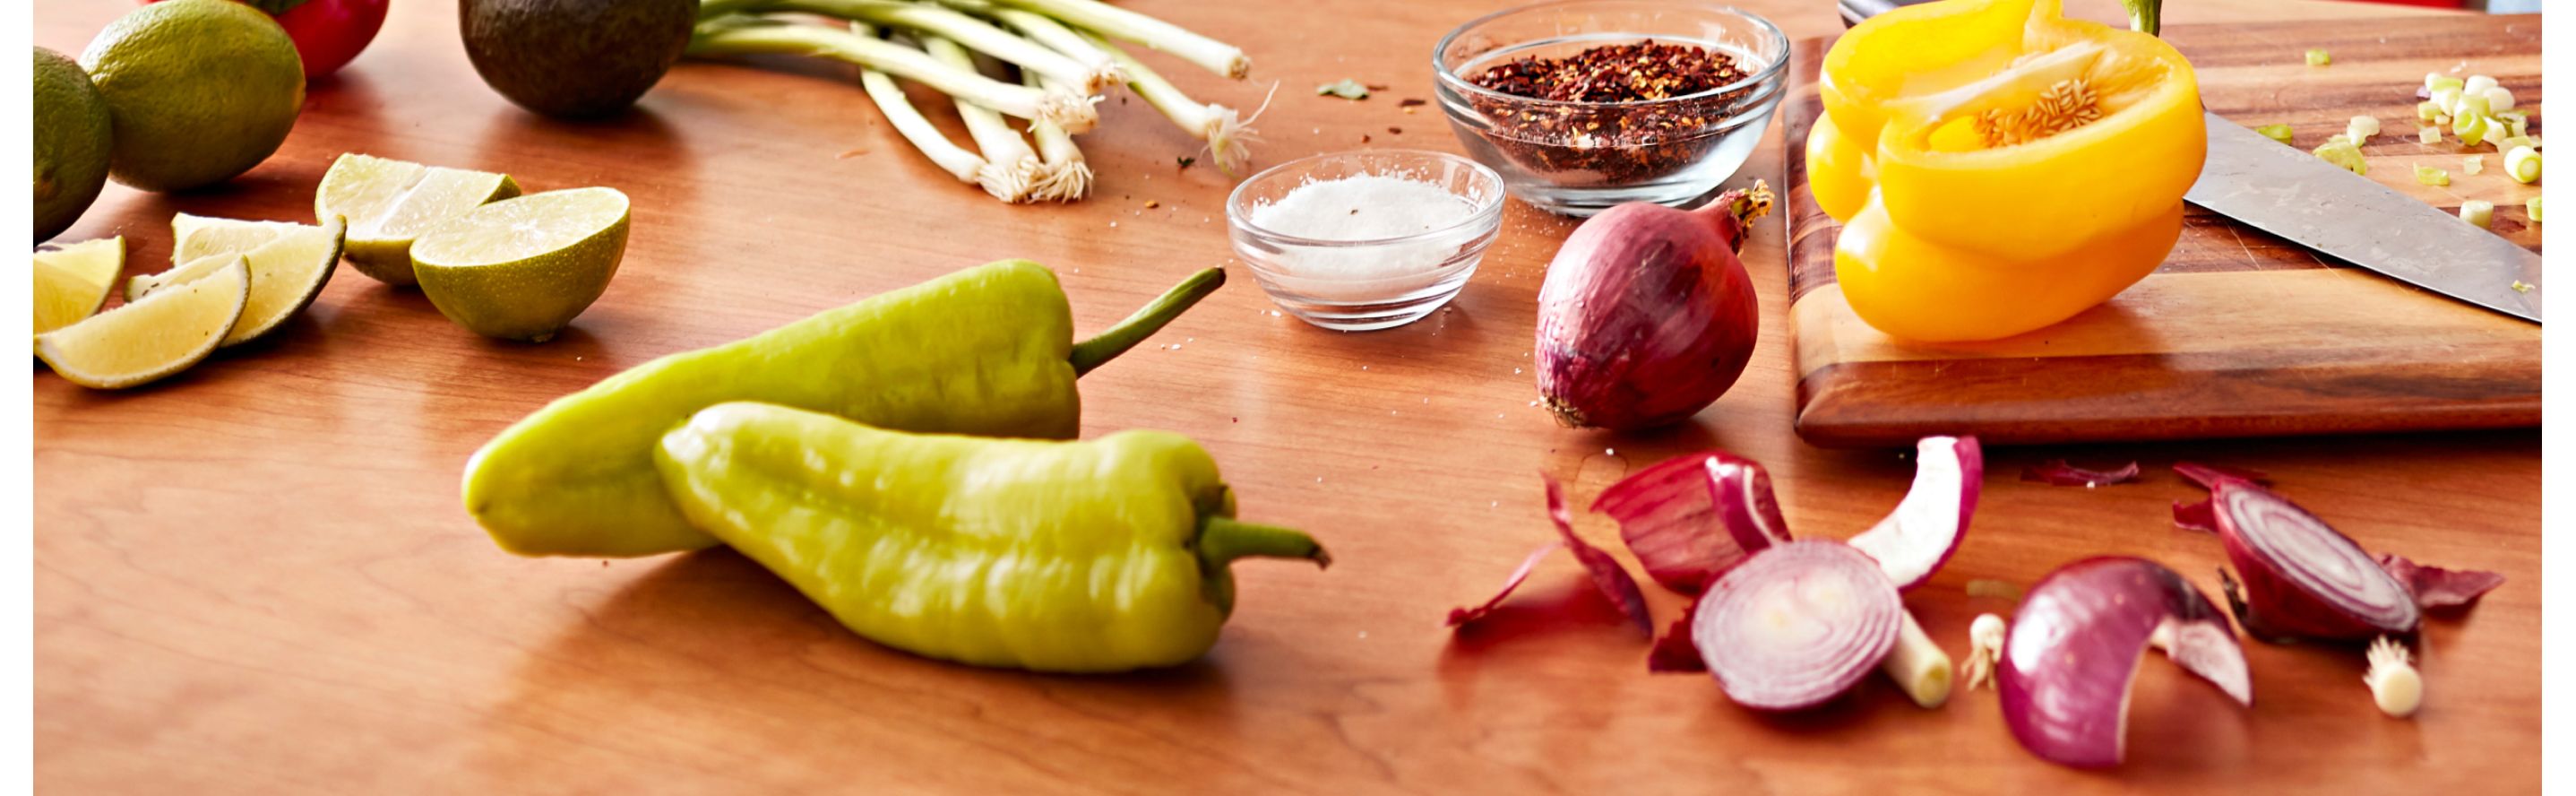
column 2301, row 577
column 2074, row 647
column 2435, row 587
column 1691, row 517
column 1462, row 616
column 2056, row 472
column 2208, row 475
column 1913, row 541
column 1613, row 580
column 1797, row 624
column 2195, row 517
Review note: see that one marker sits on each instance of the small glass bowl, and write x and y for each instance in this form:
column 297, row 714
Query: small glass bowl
column 1446, row 257
column 1557, row 155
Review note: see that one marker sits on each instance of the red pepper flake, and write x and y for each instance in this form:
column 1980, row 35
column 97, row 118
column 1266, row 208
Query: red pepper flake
column 1374, row 86
column 1151, row 204
column 2056, row 472
column 1623, row 142
column 1410, row 102
column 1394, row 130
column 1364, row 138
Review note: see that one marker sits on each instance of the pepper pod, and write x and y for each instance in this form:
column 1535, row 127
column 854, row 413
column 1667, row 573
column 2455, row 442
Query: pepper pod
column 1098, row 556
column 1999, row 168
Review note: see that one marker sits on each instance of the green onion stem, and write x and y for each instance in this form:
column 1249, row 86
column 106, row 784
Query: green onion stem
column 974, row 33
column 1067, row 176
column 1010, row 166
column 964, row 165
column 2146, row 16
column 1225, row 132
column 727, row 37
column 1216, row 56
column 1045, row 30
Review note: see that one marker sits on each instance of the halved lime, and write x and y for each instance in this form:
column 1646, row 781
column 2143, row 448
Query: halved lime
column 147, row 340
column 390, row 202
column 73, row 281
column 289, row 264
column 521, row 268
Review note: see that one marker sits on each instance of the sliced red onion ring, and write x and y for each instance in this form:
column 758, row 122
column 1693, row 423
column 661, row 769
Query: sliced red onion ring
column 1674, row 652
column 1913, row 541
column 2208, row 475
column 1613, row 580
column 1462, row 616
column 1691, row 517
column 2056, row 472
column 2301, row 577
column 2195, row 517
column 1797, row 624
column 2074, row 647
column 2435, row 587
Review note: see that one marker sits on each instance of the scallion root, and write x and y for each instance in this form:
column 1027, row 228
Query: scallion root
column 1227, row 134
column 1985, row 647
column 2395, row 686
column 907, row 120
column 1066, row 177
column 1011, row 168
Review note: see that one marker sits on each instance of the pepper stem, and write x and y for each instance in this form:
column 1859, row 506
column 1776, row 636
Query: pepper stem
column 1224, row 539
column 2146, row 16
column 1148, row 319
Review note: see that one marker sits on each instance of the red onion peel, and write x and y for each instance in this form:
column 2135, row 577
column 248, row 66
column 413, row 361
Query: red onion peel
column 1461, row 616
column 1646, row 316
column 2074, row 645
column 1927, row 526
column 2195, row 517
column 2303, row 579
column 2208, row 475
column 2056, row 472
column 1674, row 651
column 1797, row 624
column 1691, row 517
column 1613, row 580
column 2435, row 587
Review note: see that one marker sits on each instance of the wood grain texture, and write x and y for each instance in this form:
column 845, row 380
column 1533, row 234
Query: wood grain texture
column 258, row 579
column 2240, row 333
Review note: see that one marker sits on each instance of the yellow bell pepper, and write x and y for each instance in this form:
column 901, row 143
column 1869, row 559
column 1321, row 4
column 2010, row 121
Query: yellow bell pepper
column 1997, row 167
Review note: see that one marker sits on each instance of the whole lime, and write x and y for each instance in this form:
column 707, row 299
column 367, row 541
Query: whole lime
column 199, row 91
column 71, row 143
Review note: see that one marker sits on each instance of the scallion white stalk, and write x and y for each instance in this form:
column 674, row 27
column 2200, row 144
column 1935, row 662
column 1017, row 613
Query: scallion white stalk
column 1227, row 134
column 956, row 160
column 1068, row 175
column 974, row 33
column 1119, row 23
column 1071, row 111
column 1010, row 166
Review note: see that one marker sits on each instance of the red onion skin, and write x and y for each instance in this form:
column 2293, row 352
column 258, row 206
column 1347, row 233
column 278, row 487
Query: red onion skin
column 2278, row 608
column 1972, row 478
column 1647, row 316
column 2074, row 646
column 1877, row 618
column 1613, row 580
column 1690, row 518
column 2435, row 587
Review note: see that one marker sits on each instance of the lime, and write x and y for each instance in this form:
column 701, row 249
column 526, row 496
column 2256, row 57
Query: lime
column 72, row 282
column 199, row 91
column 71, row 143
column 289, row 264
column 390, row 202
column 521, row 268
column 147, row 340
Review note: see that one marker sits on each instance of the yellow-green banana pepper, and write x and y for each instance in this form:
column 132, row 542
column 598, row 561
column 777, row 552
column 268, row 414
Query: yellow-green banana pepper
column 1096, row 556
column 988, row 350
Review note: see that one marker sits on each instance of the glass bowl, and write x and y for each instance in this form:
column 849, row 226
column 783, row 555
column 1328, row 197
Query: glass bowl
column 1363, row 283
column 1580, row 158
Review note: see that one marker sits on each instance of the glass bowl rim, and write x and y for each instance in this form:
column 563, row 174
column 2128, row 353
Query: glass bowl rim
column 1487, row 213
column 1451, row 80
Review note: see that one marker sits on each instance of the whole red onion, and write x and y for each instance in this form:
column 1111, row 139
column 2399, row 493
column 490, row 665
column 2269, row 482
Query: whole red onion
column 1647, row 316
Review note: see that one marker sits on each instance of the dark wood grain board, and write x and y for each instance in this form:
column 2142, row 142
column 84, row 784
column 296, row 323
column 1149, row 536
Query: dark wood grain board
column 2240, row 333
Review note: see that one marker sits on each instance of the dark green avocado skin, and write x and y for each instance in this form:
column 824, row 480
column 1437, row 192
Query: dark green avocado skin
column 574, row 59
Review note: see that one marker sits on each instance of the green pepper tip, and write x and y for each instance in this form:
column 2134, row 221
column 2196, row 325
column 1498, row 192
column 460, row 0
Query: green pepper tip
column 1224, row 539
column 1148, row 319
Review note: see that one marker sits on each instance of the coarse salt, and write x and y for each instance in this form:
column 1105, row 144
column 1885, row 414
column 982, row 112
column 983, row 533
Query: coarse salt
column 1364, row 207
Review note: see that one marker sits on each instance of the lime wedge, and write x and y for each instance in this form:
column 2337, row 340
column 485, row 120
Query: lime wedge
column 194, row 237
column 73, row 281
column 147, row 340
column 521, row 268
column 390, row 202
column 289, row 264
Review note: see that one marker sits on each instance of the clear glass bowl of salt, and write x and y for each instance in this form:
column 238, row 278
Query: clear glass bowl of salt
column 1369, row 239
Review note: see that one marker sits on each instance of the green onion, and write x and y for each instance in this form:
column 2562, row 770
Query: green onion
column 1118, row 23
column 2478, row 84
column 2319, row 58
column 2473, row 105
column 2276, row 132
column 728, row 37
column 963, row 29
column 2427, row 175
column 964, row 165
column 2447, row 99
column 2427, row 111
column 2499, row 98
column 2361, row 128
column 2341, row 152
column 1068, row 175
column 2473, row 163
column 2470, row 129
column 1010, row 166
column 2429, row 135
column 2436, row 81
column 2510, row 142
column 2531, row 207
column 2478, row 211
column 1045, row 30
column 2523, row 165
column 1224, row 131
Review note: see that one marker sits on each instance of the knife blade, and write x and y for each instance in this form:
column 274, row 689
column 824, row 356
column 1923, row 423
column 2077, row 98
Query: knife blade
column 2300, row 197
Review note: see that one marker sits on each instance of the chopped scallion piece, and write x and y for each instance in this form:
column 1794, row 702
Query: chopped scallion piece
column 2520, row 286
column 2470, row 129
column 2523, row 164
column 2427, row 175
column 2429, row 135
column 2427, row 111
column 2276, row 132
column 2362, row 128
column 2478, row 84
column 2319, row 58
column 2478, row 211
column 2447, row 99
column 2341, row 152
column 2531, row 207
column 2473, row 163
column 2499, row 98
column 2473, row 105
column 2436, row 81
column 2509, row 143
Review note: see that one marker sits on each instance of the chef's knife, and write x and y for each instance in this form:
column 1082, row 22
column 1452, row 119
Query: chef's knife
column 2298, row 196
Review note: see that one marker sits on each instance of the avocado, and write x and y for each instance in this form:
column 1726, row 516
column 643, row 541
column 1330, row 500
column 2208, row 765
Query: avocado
column 574, row 59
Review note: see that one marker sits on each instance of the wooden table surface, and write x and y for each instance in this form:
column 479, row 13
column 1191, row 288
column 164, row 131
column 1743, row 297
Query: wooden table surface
column 258, row 578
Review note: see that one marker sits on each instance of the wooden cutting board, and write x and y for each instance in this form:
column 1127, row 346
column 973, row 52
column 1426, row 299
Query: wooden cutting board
column 2240, row 333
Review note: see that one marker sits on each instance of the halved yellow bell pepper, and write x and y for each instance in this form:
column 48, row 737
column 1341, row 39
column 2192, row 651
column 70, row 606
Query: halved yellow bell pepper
column 1997, row 167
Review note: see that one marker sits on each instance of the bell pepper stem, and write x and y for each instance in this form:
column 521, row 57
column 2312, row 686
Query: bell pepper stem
column 2146, row 16
column 1149, row 319
column 1224, row 539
